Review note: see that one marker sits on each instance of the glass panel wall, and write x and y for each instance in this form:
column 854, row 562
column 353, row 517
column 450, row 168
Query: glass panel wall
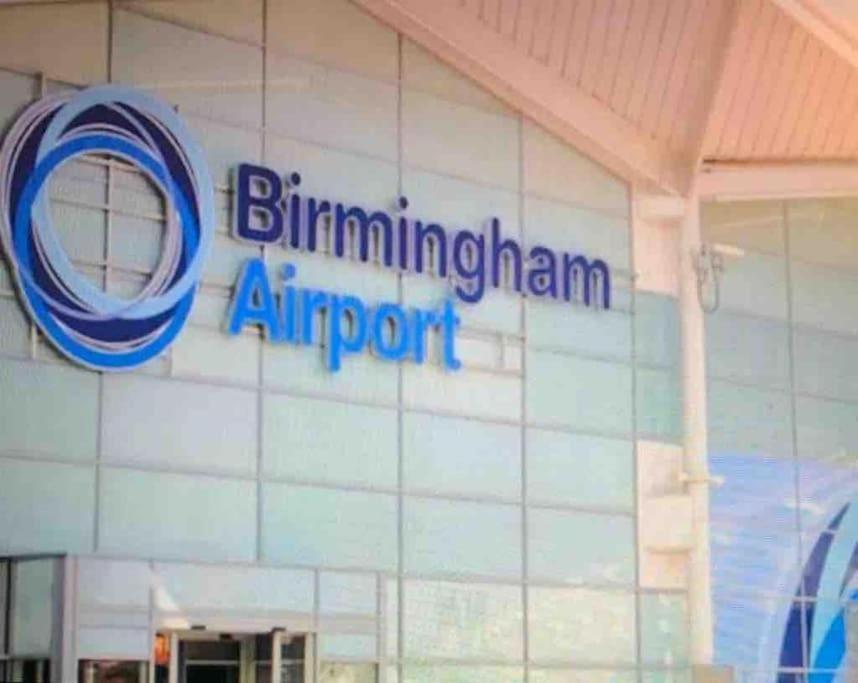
column 497, row 503
column 33, row 601
column 782, row 419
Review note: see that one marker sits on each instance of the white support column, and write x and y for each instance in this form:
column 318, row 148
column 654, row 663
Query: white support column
column 173, row 676
column 247, row 657
column 276, row 655
column 64, row 662
column 311, row 658
column 694, row 436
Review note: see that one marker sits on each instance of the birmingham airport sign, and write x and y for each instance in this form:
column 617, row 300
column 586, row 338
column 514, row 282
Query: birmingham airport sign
column 105, row 332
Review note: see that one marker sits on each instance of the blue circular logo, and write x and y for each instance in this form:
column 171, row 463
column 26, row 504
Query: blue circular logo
column 87, row 324
column 816, row 633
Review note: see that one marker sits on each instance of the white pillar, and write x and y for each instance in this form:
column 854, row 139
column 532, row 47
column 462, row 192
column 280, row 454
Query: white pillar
column 694, row 436
column 64, row 659
column 247, row 655
column 173, row 675
column 276, row 655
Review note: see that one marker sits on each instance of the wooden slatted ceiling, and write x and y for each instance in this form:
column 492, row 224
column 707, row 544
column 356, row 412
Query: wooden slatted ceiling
column 786, row 95
column 791, row 96
column 645, row 59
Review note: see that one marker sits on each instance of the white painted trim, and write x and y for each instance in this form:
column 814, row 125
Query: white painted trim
column 527, row 85
column 659, row 207
column 747, row 181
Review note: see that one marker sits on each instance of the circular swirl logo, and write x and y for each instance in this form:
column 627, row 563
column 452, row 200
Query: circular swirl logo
column 90, row 326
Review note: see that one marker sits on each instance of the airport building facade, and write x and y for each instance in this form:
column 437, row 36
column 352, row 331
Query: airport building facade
column 405, row 387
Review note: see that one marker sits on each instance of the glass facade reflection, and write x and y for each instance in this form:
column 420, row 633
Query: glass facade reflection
column 780, row 414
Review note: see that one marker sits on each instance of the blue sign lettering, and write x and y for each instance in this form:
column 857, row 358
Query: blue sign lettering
column 267, row 212
column 291, row 315
column 106, row 332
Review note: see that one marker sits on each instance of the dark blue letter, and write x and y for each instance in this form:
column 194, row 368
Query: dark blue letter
column 265, row 208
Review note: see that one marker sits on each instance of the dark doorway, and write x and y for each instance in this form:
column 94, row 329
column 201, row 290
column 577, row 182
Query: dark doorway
column 210, row 661
column 214, row 673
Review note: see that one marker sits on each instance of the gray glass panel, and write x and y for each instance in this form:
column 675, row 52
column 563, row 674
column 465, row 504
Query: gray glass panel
column 4, row 605
column 457, row 673
column 446, row 620
column 32, row 618
column 340, row 672
column 664, row 629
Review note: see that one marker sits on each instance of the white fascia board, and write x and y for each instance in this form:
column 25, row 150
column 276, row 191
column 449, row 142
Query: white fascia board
column 748, row 181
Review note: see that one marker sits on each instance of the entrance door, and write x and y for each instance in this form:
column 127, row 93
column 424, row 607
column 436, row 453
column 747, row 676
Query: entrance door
column 210, row 657
column 210, row 661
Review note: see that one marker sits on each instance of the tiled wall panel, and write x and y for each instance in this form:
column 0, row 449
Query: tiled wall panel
column 469, row 492
column 782, row 431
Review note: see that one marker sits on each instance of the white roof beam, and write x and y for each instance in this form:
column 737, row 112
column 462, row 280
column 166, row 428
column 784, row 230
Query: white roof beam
column 719, row 85
column 821, row 19
column 527, row 85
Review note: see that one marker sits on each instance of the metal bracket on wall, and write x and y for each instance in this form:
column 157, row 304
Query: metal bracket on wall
column 711, row 480
column 708, row 264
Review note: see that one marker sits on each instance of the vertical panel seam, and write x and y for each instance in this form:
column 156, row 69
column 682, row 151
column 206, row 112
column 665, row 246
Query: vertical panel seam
column 400, row 513
column 260, row 359
column 794, row 423
column 632, row 224
column 99, row 437
column 525, row 596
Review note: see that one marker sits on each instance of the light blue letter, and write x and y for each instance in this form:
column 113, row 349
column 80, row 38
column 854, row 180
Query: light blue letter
column 337, row 344
column 449, row 323
column 396, row 347
column 253, row 301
